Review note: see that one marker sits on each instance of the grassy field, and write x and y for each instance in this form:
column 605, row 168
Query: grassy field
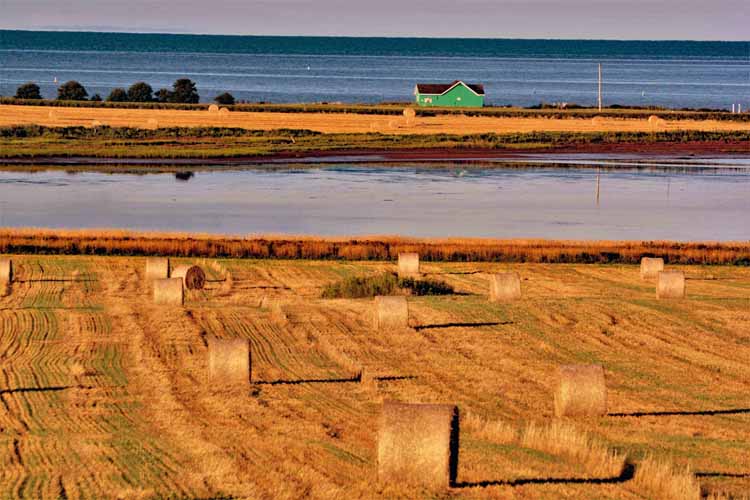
column 347, row 123
column 106, row 394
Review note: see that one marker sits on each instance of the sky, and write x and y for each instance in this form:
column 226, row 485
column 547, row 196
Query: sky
column 597, row 19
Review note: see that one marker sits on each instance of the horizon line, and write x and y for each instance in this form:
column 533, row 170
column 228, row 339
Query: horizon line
column 429, row 37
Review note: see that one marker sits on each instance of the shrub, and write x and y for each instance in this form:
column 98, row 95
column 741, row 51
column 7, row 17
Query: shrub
column 426, row 286
column 140, row 92
column 96, row 98
column 28, row 90
column 358, row 287
column 184, row 90
column 72, row 91
column 226, row 98
column 118, row 95
column 163, row 95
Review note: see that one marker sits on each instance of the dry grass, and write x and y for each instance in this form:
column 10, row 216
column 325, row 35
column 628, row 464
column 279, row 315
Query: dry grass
column 562, row 439
column 143, row 421
column 662, row 479
column 341, row 122
column 122, row 242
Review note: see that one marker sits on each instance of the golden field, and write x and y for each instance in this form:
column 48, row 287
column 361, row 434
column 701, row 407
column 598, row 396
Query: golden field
column 105, row 395
column 341, row 122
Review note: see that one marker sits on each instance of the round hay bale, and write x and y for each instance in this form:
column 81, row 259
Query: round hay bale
column 392, row 124
column 367, row 377
column 213, row 108
column 96, row 123
column 651, row 267
column 391, row 313
column 6, row 271
column 224, row 111
column 670, row 285
column 581, row 391
column 157, row 268
column 229, row 363
column 409, row 113
column 505, row 286
column 597, row 120
column 152, row 124
column 193, row 276
column 418, row 444
column 52, row 114
column 656, row 121
column 408, row 265
column 168, row 291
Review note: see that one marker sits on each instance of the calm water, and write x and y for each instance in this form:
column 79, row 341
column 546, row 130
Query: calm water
column 690, row 203
column 306, row 69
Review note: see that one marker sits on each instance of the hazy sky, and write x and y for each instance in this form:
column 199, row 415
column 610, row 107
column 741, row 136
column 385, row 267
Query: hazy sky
column 613, row 19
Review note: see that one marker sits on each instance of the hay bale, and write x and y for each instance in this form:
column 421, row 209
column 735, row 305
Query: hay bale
column 52, row 114
column 597, row 120
column 408, row 265
column 152, row 124
column 157, row 268
column 223, row 111
column 193, row 276
column 656, row 121
column 6, row 271
column 96, row 123
column 409, row 113
column 367, row 377
column 581, row 391
column 505, row 286
column 418, row 444
column 278, row 314
column 651, row 267
column 229, row 363
column 670, row 285
column 391, row 313
column 213, row 108
column 168, row 291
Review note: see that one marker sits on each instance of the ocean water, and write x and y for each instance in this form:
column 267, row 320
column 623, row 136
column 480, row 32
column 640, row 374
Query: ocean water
column 681, row 200
column 679, row 74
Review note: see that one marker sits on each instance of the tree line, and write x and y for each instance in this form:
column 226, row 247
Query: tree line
column 183, row 91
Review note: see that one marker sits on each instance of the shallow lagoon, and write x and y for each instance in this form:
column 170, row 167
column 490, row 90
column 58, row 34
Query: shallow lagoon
column 642, row 199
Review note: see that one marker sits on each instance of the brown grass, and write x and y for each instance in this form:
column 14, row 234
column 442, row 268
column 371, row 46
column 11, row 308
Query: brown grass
column 670, row 285
column 193, row 277
column 157, row 268
column 229, row 364
column 651, row 267
column 340, row 122
column 391, row 313
column 505, row 286
column 662, row 479
column 581, row 391
column 121, row 242
column 168, row 291
column 414, row 443
column 408, row 265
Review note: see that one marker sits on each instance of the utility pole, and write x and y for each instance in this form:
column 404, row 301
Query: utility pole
column 600, row 87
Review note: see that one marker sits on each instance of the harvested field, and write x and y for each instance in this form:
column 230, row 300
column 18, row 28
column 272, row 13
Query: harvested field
column 342, row 122
column 105, row 393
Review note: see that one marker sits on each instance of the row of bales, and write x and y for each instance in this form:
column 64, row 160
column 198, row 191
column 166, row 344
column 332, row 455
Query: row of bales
column 416, row 442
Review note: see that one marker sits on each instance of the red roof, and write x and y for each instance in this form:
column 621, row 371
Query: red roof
column 442, row 88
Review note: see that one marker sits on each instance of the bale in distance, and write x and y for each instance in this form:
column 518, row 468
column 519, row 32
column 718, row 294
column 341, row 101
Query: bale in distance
column 418, row 444
column 409, row 113
column 670, row 285
column 6, row 271
column 229, row 364
column 505, row 286
column 213, row 108
column 168, row 291
column 52, row 114
column 408, row 265
column 152, row 124
column 581, row 391
column 651, row 267
column 157, row 268
column 656, row 121
column 224, row 111
column 391, row 313
column 193, row 276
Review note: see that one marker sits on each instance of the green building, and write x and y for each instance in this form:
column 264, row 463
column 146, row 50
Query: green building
column 456, row 94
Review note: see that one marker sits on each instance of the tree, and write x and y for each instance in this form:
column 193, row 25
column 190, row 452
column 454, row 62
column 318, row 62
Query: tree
column 163, row 95
column 140, row 92
column 225, row 98
column 96, row 98
column 72, row 91
column 184, row 91
column 28, row 91
column 118, row 95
